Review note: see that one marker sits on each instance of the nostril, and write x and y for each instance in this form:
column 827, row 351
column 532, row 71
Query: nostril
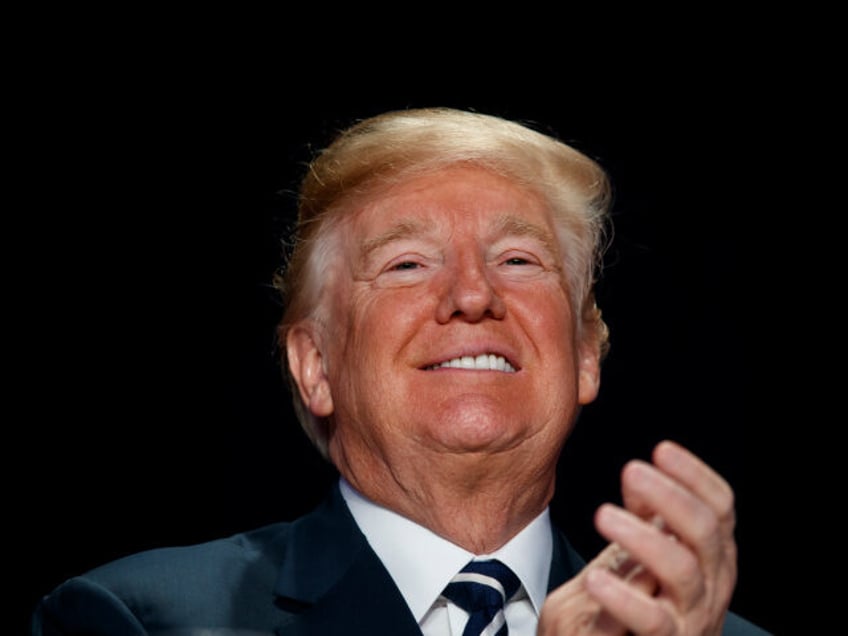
column 469, row 295
column 495, row 312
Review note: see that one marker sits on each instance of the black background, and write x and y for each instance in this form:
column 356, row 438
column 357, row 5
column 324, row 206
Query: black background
column 149, row 395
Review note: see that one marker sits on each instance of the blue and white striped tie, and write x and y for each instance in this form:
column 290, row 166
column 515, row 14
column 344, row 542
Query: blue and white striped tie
column 482, row 589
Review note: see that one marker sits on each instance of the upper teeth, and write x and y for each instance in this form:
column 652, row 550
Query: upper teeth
column 484, row 361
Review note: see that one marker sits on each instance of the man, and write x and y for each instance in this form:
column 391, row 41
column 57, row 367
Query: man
column 441, row 336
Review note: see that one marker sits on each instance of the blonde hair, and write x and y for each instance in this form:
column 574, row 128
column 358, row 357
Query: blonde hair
column 399, row 145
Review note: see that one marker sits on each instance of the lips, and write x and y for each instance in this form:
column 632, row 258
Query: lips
column 481, row 362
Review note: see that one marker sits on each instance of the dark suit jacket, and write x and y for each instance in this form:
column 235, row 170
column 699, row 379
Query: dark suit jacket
column 316, row 575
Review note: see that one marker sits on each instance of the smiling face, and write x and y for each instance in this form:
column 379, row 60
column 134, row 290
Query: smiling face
column 452, row 328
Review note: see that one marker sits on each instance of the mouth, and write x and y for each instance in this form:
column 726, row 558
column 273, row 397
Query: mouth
column 482, row 362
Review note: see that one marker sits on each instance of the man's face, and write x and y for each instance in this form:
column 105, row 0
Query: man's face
column 451, row 327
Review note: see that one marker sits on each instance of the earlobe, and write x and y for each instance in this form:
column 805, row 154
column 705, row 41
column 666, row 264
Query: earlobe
column 589, row 374
column 306, row 364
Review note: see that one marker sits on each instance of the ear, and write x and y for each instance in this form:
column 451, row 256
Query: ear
column 306, row 364
column 589, row 370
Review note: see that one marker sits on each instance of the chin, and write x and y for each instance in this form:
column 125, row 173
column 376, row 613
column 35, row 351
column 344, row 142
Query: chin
column 474, row 429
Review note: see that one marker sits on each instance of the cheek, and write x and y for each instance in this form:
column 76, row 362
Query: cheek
column 548, row 323
column 394, row 317
column 371, row 338
column 548, row 318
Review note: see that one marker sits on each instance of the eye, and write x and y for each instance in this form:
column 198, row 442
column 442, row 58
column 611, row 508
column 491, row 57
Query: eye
column 405, row 265
column 516, row 257
column 519, row 262
column 404, row 271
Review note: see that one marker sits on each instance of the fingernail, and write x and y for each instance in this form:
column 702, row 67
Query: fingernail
column 669, row 452
column 610, row 517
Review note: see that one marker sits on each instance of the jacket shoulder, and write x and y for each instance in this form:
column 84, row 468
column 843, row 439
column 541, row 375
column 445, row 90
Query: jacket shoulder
column 175, row 586
column 735, row 625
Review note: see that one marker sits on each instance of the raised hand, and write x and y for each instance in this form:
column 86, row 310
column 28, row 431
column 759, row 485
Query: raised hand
column 678, row 570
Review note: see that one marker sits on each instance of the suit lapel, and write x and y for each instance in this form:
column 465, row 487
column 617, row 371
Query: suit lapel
column 332, row 582
column 565, row 562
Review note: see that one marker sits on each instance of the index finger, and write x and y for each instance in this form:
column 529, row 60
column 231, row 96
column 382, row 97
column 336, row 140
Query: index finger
column 694, row 474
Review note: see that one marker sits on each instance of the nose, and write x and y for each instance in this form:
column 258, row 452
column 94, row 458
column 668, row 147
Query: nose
column 469, row 293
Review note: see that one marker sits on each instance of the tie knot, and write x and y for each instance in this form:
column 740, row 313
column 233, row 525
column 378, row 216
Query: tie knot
column 482, row 588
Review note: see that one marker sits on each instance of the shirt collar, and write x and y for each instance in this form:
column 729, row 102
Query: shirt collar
column 398, row 541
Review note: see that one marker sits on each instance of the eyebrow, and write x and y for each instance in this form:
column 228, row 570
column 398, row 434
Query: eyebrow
column 511, row 225
column 401, row 230
column 505, row 225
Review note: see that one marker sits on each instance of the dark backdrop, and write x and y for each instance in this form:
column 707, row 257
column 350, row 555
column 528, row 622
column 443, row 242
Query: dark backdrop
column 153, row 408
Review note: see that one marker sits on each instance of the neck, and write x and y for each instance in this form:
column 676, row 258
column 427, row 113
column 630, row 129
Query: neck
column 476, row 501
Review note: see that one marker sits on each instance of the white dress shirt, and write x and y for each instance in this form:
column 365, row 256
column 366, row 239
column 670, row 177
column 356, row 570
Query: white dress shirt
column 422, row 563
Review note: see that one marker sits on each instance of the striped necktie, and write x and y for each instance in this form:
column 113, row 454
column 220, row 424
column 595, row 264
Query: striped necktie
column 481, row 589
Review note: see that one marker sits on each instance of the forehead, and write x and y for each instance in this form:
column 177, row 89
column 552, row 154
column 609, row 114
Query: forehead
column 460, row 194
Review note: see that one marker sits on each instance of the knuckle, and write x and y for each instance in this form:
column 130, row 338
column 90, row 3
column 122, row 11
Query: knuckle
column 727, row 510
column 689, row 571
column 658, row 624
column 708, row 527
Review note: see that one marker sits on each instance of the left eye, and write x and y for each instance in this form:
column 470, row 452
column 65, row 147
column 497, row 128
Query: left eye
column 516, row 261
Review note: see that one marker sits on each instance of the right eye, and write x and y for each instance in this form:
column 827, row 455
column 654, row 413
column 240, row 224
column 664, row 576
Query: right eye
column 405, row 265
